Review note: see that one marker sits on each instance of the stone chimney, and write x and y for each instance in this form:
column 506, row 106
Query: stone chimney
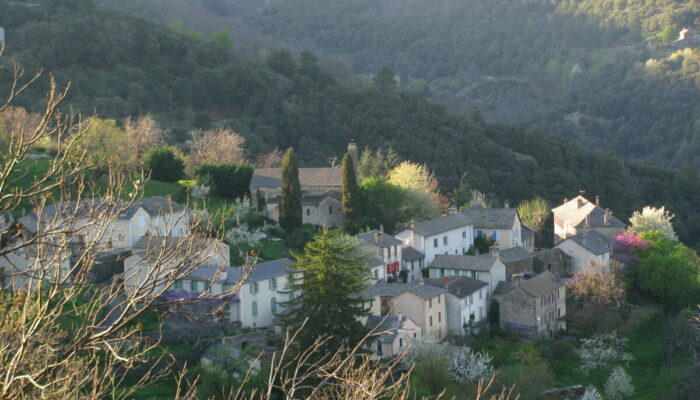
column 445, row 281
column 597, row 200
column 516, row 279
column 587, row 222
column 399, row 315
column 378, row 237
column 494, row 251
column 381, row 228
column 352, row 150
column 506, row 204
column 606, row 217
column 579, row 202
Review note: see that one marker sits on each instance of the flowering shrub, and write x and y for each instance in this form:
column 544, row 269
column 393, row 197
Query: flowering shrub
column 468, row 366
column 591, row 394
column 625, row 246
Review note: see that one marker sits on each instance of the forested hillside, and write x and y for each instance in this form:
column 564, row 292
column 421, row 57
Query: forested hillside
column 604, row 73
column 131, row 66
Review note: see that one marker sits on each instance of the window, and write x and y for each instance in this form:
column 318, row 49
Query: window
column 178, row 285
column 273, row 304
column 471, row 299
column 207, row 286
column 272, row 284
column 330, row 209
column 480, row 294
column 400, row 342
column 442, row 272
column 430, row 303
column 193, row 286
column 376, row 274
column 494, row 235
column 439, row 317
column 480, row 234
column 225, row 287
column 444, row 240
column 431, row 321
column 253, row 287
column 438, row 299
column 415, row 335
column 481, row 313
column 464, row 234
column 142, row 222
column 308, row 211
column 255, row 308
column 435, row 243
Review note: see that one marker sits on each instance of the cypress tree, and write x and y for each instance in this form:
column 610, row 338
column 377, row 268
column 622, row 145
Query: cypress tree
column 351, row 191
column 290, row 198
column 323, row 290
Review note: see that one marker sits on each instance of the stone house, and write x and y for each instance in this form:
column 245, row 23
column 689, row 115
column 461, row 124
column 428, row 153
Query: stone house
column 532, row 308
column 555, row 261
column 500, row 224
column 423, row 304
column 413, row 261
column 451, row 234
column 517, row 261
column 467, row 303
column 587, row 247
column 394, row 334
column 386, row 248
column 26, row 267
column 579, row 215
column 484, row 267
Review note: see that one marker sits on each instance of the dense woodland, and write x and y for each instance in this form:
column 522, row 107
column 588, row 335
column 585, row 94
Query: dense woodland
column 132, row 66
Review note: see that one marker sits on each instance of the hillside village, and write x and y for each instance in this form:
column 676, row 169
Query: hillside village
column 466, row 273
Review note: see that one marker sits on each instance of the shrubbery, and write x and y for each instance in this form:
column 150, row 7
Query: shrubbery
column 163, row 164
column 230, row 181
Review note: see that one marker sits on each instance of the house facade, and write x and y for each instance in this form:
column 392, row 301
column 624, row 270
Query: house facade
column 555, row 261
column 517, row 261
column 487, row 268
column 26, row 267
column 423, row 304
column 500, row 224
column 385, row 248
column 467, row 302
column 394, row 334
column 533, row 308
column 579, row 215
column 451, row 234
column 587, row 247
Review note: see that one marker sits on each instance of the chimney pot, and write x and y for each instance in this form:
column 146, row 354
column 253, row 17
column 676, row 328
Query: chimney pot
column 494, row 251
column 579, row 202
column 597, row 200
column 506, row 204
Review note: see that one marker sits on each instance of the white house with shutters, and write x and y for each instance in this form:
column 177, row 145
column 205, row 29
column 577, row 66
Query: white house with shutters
column 451, row 234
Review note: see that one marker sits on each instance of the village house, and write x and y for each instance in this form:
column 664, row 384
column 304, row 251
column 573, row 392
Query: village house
column 579, row 215
column 517, row 261
column 171, row 253
column 394, row 334
column 500, row 224
column 413, row 261
column 532, row 308
column 587, row 247
column 157, row 216
column 555, row 261
column 386, row 248
column 467, row 304
column 321, row 191
column 423, row 304
column 527, row 236
column 31, row 264
column 484, row 267
column 451, row 234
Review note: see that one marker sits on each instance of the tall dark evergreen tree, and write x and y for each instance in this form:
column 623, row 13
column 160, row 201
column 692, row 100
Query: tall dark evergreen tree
column 323, row 291
column 352, row 205
column 290, row 198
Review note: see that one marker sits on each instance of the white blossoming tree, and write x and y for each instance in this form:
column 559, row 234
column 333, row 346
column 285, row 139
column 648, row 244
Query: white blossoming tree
column 619, row 385
column 602, row 351
column 469, row 366
column 653, row 219
column 591, row 394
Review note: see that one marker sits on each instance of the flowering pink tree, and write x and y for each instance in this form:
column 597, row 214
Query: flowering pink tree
column 625, row 247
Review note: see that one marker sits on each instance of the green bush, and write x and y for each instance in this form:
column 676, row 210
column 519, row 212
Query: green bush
column 163, row 164
column 230, row 181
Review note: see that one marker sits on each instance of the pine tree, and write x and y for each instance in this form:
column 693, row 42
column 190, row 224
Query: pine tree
column 351, row 190
column 290, row 198
column 323, row 291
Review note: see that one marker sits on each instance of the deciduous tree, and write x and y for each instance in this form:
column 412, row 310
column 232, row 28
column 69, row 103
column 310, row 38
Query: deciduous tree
column 652, row 219
column 216, row 146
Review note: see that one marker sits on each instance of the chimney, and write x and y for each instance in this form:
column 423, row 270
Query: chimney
column 606, row 217
column 579, row 202
column 588, row 221
column 378, row 237
column 445, row 281
column 516, row 279
column 597, row 200
column 381, row 228
column 494, row 251
column 506, row 204
column 399, row 314
column 352, row 150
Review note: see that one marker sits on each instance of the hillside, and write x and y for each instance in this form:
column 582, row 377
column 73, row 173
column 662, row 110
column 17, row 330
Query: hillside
column 603, row 73
column 188, row 79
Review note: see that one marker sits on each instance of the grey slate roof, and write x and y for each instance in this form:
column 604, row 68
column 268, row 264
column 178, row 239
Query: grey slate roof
column 310, row 200
column 482, row 262
column 388, row 325
column 442, row 224
column 460, row 286
column 514, row 254
column 550, row 255
column 491, row 218
column 576, row 216
column 426, row 292
column 411, row 254
column 154, row 206
column 382, row 240
column 272, row 177
column 261, row 271
column 593, row 241
column 375, row 262
column 536, row 286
